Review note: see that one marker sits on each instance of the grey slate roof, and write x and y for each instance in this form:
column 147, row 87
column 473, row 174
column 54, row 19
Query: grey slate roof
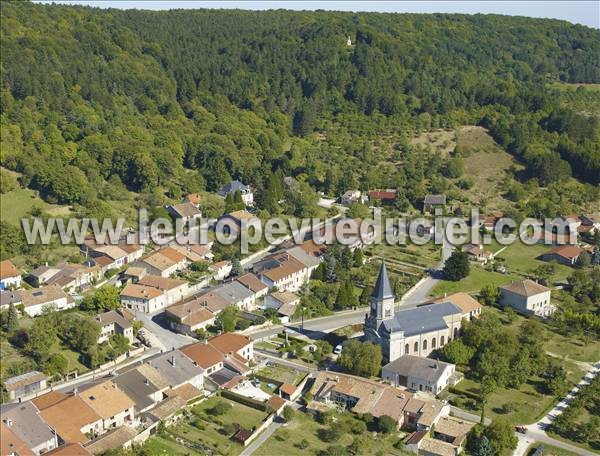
column 307, row 260
column 8, row 297
column 435, row 199
column 232, row 187
column 27, row 423
column 421, row 320
column 233, row 292
column 136, row 386
column 382, row 288
column 182, row 371
column 414, row 366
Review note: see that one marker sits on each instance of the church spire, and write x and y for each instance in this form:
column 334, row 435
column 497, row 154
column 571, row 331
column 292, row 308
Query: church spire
column 382, row 289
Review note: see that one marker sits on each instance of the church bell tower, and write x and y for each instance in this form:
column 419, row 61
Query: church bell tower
column 382, row 298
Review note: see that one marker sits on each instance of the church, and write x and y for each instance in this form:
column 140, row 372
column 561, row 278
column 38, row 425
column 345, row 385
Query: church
column 416, row 331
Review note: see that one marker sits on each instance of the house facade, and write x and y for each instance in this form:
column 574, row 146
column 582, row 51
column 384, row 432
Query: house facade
column 52, row 296
column 10, row 276
column 25, row 385
column 234, row 186
column 419, row 374
column 115, row 322
column 528, row 298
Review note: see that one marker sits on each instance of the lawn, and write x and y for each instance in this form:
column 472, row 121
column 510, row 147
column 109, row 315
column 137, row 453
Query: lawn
column 16, row 204
column 477, row 279
column 528, row 405
column 206, row 431
column 304, row 428
column 209, row 431
column 521, row 259
column 549, row 450
column 282, row 374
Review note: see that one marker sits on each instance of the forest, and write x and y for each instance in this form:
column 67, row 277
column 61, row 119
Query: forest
column 96, row 102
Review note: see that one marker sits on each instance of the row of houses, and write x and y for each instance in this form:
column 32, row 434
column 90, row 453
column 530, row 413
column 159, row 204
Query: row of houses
column 136, row 397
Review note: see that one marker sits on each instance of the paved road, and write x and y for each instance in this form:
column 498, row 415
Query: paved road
column 168, row 339
column 94, row 375
column 276, row 424
column 315, row 328
column 536, row 432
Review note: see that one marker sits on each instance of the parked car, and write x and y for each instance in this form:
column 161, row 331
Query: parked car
column 338, row 349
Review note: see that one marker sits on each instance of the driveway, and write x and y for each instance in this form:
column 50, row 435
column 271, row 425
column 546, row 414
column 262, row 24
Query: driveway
column 156, row 324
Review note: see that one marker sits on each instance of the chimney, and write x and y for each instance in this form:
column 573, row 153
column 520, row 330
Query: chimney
column 445, row 295
column 8, row 422
column 173, row 360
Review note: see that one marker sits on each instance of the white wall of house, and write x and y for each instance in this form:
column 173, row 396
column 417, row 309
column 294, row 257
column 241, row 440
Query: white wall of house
column 118, row 419
column 58, row 304
column 420, row 344
column 417, row 383
column 538, row 304
column 10, row 282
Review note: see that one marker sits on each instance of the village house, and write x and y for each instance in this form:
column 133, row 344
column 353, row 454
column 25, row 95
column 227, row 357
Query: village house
column 115, row 322
column 348, row 230
column 10, row 276
column 144, row 385
column 564, row 254
column 445, row 440
column 221, row 269
column 282, row 271
column 68, row 276
column 237, row 295
column 417, row 331
column 25, row 385
column 433, row 202
column 286, row 270
column 133, row 274
column 253, row 283
column 11, row 444
column 192, row 198
column 25, row 425
column 9, row 297
column 234, row 222
column 71, row 418
column 234, row 186
column 489, row 222
column 351, row 196
column 110, row 403
column 313, row 249
column 284, row 302
column 527, row 297
column 477, row 253
column 383, row 196
column 360, row 395
column 187, row 212
column 190, row 316
column 204, row 355
column 165, row 262
column 420, row 374
column 70, row 449
column 177, row 369
column 153, row 293
column 35, row 300
column 109, row 256
column 553, row 238
column 224, row 357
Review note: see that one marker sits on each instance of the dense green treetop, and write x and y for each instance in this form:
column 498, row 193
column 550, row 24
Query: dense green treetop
column 193, row 98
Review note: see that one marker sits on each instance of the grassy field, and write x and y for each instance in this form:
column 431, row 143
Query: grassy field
column 521, row 259
column 206, row 431
column 528, row 404
column 16, row 204
column 282, row 374
column 549, row 450
column 477, row 279
column 303, row 428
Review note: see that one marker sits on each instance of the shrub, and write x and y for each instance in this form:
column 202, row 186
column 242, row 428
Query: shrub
column 220, row 408
column 386, row 424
